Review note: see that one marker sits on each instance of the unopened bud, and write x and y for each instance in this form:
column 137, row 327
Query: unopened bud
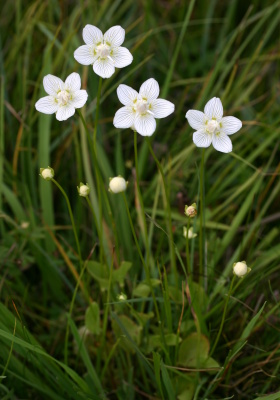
column 240, row 269
column 191, row 211
column 47, row 173
column 83, row 189
column 117, row 184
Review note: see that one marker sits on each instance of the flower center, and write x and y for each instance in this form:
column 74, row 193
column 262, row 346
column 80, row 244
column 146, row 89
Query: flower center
column 103, row 50
column 63, row 97
column 212, row 125
column 142, row 106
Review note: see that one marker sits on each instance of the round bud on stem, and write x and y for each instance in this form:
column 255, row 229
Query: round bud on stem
column 240, row 269
column 117, row 184
column 47, row 173
column 83, row 189
column 191, row 211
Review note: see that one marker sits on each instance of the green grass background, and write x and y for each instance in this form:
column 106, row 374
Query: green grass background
column 195, row 50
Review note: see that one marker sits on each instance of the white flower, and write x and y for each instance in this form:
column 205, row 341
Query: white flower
column 191, row 235
column 47, row 173
column 63, row 97
column 141, row 109
column 83, row 189
column 103, row 52
column 240, row 269
column 212, row 127
column 117, row 184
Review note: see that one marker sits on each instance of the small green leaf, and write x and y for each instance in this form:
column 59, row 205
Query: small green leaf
column 132, row 329
column 92, row 318
column 143, row 289
column 98, row 272
column 193, row 351
column 120, row 273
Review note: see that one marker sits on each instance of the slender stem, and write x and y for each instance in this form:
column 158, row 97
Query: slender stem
column 171, row 242
column 201, row 225
column 105, row 319
column 70, row 312
column 72, row 220
column 97, row 113
column 141, row 256
column 141, row 199
column 187, row 248
column 97, row 174
column 223, row 317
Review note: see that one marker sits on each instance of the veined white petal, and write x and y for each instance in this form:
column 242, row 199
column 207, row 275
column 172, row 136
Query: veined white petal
column 85, row 55
column 202, row 139
column 114, row 36
column 52, row 84
column 196, row 119
column 162, row 108
column 104, row 67
column 124, row 118
column 149, row 89
column 92, row 35
column 145, row 124
column 222, row 143
column 214, row 108
column 73, row 82
column 79, row 98
column 126, row 94
column 122, row 57
column 65, row 112
column 230, row 125
column 47, row 105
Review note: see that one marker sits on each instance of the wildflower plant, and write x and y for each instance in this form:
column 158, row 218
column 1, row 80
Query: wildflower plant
column 173, row 293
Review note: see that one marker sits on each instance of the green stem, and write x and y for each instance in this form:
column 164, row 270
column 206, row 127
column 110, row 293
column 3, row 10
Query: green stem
column 223, row 317
column 188, row 249
column 171, row 242
column 141, row 199
column 141, row 256
column 70, row 312
column 97, row 113
column 201, row 225
column 72, row 220
column 97, row 174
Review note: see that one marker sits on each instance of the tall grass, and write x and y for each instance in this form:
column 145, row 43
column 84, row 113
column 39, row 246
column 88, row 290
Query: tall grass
column 130, row 321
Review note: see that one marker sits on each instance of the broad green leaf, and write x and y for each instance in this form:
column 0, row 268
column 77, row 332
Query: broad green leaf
column 92, row 318
column 193, row 351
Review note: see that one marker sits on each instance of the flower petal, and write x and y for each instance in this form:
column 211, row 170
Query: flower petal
column 84, row 55
column 52, row 84
column 162, row 108
column 79, row 98
column 202, row 139
column 124, row 118
column 122, row 57
column 114, row 36
column 196, row 119
column 47, row 105
column 222, row 143
column 73, row 82
column 145, row 124
column 214, row 108
column 104, row 67
column 149, row 89
column 126, row 95
column 65, row 112
column 230, row 125
column 92, row 35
